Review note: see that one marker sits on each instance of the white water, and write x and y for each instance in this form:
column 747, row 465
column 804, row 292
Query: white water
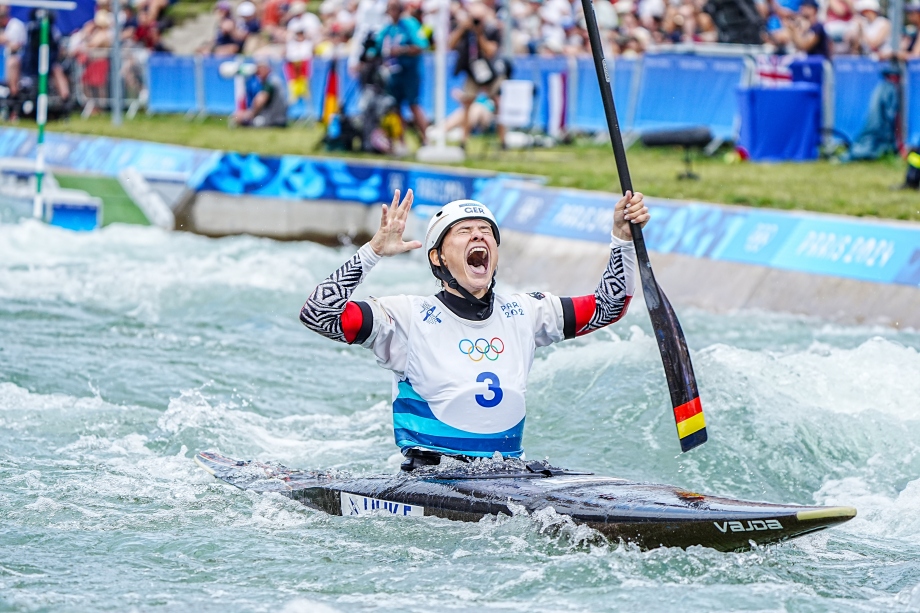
column 124, row 351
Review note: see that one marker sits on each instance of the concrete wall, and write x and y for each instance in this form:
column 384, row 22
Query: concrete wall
column 572, row 267
column 326, row 222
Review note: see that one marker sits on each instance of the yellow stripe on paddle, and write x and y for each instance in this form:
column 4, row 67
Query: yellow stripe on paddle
column 691, row 425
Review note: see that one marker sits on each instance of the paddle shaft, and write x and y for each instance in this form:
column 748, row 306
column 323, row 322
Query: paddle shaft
column 671, row 342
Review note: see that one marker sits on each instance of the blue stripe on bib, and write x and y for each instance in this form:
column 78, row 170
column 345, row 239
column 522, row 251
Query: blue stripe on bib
column 416, row 426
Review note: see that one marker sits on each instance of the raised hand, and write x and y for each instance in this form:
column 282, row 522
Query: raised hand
column 388, row 240
column 630, row 209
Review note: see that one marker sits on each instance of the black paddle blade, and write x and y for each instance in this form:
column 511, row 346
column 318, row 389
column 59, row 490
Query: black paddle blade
column 685, row 398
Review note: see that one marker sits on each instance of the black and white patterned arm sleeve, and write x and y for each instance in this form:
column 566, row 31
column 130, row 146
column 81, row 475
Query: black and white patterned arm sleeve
column 616, row 287
column 328, row 310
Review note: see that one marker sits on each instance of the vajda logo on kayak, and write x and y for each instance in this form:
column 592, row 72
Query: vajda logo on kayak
column 752, row 526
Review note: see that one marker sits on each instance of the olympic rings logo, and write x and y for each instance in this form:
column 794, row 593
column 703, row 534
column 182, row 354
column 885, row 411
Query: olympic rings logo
column 482, row 348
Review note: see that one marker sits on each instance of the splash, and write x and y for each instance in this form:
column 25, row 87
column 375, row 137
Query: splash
column 125, row 351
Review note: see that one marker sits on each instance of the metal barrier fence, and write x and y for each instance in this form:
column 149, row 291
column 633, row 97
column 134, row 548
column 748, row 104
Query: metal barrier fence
column 92, row 80
column 658, row 90
column 676, row 87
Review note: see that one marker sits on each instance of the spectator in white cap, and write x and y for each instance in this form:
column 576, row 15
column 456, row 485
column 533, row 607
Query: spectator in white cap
column 872, row 31
column 247, row 18
column 649, row 12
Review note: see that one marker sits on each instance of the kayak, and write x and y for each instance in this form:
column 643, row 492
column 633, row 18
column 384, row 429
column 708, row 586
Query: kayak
column 645, row 514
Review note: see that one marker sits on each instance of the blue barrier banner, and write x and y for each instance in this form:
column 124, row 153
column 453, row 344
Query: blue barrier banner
column 912, row 102
column 695, row 229
column 679, row 91
column 855, row 249
column 103, row 156
column 578, row 215
column 855, row 79
column 299, row 178
column 171, row 84
column 757, row 238
column 851, row 248
column 454, row 82
column 586, row 111
column 537, row 70
column 218, row 91
column 867, row 251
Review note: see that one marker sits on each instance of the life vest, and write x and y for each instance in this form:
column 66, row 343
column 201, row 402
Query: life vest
column 460, row 384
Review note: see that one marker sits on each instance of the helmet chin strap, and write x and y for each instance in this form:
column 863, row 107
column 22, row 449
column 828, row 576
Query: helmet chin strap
column 442, row 273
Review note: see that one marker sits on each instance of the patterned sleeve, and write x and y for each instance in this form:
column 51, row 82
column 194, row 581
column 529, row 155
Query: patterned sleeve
column 584, row 314
column 328, row 310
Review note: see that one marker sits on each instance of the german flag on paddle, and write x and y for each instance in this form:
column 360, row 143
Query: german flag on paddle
column 691, row 425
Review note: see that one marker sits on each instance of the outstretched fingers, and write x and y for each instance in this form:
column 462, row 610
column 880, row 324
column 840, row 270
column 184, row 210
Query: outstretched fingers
column 384, row 211
column 406, row 205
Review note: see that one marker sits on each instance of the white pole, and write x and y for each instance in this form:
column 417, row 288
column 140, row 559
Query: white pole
column 440, row 152
column 41, row 101
column 41, row 112
column 896, row 17
column 440, row 73
column 116, row 92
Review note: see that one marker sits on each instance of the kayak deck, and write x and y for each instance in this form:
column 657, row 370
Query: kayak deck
column 648, row 515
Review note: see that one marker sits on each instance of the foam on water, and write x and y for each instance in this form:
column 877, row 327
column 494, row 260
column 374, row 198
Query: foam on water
column 125, row 351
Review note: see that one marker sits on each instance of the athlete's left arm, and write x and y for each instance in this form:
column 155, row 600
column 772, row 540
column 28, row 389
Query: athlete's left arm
column 568, row 317
column 562, row 317
column 611, row 297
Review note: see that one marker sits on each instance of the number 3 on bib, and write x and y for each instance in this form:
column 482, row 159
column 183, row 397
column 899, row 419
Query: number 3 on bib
column 494, row 387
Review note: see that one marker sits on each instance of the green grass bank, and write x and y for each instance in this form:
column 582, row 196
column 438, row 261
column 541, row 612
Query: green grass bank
column 860, row 189
column 117, row 206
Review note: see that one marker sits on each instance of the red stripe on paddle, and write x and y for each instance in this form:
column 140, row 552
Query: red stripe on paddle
column 688, row 410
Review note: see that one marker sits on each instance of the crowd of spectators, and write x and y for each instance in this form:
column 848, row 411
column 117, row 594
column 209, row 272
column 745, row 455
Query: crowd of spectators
column 557, row 27
column 81, row 57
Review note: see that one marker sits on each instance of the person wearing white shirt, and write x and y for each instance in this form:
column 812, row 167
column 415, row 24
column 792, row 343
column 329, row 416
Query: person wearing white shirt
column 12, row 40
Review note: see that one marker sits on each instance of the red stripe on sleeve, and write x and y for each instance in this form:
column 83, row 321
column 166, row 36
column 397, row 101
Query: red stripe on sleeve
column 584, row 311
column 352, row 319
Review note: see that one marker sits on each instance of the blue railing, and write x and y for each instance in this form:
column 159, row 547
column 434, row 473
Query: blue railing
column 686, row 90
column 654, row 92
column 854, row 79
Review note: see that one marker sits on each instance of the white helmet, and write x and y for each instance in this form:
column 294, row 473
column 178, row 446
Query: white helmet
column 453, row 212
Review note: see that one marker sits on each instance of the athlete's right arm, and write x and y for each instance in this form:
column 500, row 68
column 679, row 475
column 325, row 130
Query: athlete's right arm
column 328, row 310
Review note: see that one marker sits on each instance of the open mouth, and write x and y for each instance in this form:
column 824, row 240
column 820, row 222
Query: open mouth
column 478, row 260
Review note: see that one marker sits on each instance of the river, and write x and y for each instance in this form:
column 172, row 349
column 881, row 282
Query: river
column 122, row 352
